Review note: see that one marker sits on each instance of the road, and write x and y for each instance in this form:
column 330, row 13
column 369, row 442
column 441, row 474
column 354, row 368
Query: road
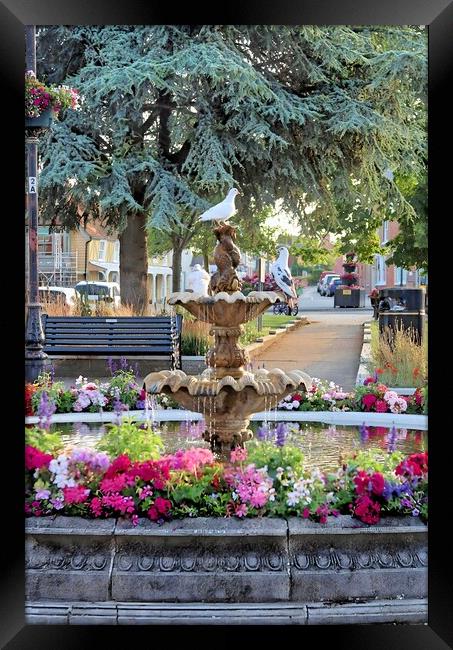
column 327, row 348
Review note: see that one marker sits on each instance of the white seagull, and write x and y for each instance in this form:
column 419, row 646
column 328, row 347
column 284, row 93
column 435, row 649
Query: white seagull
column 223, row 210
column 281, row 273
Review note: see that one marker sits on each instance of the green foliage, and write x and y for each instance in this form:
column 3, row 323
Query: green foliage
column 172, row 116
column 267, row 454
column 49, row 443
column 373, row 460
column 195, row 495
column 131, row 439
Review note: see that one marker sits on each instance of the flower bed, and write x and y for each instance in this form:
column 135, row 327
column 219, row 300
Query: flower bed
column 45, row 397
column 121, row 393
column 371, row 397
column 268, row 478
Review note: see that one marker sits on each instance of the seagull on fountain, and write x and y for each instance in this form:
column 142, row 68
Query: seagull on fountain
column 223, row 210
column 281, row 273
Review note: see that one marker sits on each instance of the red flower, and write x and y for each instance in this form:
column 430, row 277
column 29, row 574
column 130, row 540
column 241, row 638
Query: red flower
column 377, row 483
column 29, row 390
column 367, row 510
column 162, row 505
column 379, row 371
column 361, row 482
column 368, row 401
column 369, row 380
column 35, row 459
column 414, row 465
column 153, row 513
column 381, row 406
column 120, row 464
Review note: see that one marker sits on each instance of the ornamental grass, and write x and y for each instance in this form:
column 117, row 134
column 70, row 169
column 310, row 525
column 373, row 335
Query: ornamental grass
column 403, row 363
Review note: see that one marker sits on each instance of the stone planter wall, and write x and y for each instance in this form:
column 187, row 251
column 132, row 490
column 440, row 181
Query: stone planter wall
column 224, row 560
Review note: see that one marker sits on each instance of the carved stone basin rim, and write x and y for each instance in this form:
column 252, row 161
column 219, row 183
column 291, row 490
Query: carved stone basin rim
column 253, row 297
column 265, row 382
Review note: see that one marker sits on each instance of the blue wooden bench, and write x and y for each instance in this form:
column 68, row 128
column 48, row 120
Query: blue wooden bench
column 158, row 336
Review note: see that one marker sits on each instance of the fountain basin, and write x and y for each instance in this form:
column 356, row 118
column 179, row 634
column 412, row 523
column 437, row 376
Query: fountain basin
column 227, row 403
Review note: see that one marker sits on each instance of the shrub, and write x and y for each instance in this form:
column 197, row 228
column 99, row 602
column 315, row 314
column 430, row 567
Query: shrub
column 138, row 442
column 404, row 363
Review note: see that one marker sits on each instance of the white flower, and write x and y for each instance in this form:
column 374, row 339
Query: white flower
column 390, row 396
column 296, row 404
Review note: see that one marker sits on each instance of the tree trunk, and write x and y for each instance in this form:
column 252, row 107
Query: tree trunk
column 177, row 255
column 206, row 262
column 134, row 264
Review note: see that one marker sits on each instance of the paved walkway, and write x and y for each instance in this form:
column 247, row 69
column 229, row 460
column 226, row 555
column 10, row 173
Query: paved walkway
column 328, row 348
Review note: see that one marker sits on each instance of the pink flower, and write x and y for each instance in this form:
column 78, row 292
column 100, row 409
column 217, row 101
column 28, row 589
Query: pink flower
column 76, row 494
column 305, row 513
column 36, row 459
column 238, row 454
column 241, row 510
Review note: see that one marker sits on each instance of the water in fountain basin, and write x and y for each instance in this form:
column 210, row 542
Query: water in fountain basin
column 323, row 446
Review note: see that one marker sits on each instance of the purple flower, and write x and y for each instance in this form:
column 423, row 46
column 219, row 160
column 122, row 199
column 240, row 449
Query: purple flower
column 281, row 431
column 111, row 365
column 46, row 409
column 123, row 363
column 392, row 440
column 364, row 433
column 262, row 432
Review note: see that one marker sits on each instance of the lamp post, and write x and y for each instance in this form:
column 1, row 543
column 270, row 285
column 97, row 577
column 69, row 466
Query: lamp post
column 35, row 357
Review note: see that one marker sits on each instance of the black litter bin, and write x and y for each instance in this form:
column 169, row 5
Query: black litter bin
column 401, row 308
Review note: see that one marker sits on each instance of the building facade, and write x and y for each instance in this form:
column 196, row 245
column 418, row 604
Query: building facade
column 93, row 254
column 381, row 275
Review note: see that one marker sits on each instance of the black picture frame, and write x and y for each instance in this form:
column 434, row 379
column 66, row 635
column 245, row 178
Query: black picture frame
column 14, row 15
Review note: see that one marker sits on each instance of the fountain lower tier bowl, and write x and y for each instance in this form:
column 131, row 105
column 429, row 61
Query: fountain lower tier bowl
column 227, row 403
column 224, row 309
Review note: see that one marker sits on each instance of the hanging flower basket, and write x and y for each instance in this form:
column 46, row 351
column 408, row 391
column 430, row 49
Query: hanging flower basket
column 42, row 121
column 44, row 103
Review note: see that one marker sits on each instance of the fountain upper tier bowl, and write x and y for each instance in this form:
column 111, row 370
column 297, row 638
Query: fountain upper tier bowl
column 225, row 309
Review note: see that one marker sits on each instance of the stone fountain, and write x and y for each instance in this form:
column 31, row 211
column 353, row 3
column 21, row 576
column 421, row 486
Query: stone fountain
column 226, row 392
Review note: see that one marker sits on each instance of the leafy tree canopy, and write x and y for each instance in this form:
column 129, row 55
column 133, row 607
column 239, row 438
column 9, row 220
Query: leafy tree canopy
column 173, row 116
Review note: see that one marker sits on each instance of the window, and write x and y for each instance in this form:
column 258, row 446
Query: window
column 385, row 232
column 380, row 269
column 400, row 276
column 44, row 240
column 116, row 252
column 102, row 247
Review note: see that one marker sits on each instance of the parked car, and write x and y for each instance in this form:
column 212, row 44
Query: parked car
column 321, row 278
column 333, row 284
column 93, row 290
column 325, row 282
column 63, row 297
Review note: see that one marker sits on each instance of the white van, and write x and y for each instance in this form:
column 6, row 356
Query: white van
column 65, row 295
column 94, row 290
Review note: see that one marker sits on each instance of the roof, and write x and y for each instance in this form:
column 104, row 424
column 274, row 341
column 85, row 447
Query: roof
column 96, row 231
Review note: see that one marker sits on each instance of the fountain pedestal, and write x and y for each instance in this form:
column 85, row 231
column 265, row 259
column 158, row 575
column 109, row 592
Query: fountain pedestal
column 226, row 393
